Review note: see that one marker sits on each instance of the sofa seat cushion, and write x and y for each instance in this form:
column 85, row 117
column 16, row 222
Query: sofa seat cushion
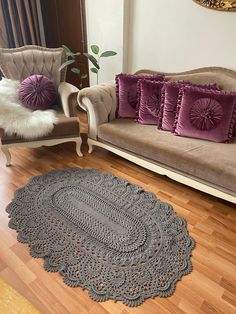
column 211, row 162
column 65, row 127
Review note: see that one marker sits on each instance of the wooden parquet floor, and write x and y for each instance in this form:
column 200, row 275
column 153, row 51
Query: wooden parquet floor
column 210, row 288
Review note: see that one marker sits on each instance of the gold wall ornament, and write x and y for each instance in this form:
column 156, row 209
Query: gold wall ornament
column 221, row 5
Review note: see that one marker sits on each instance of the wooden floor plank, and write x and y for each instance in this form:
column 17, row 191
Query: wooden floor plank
column 210, row 288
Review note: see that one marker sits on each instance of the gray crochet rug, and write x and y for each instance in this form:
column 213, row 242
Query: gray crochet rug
column 102, row 234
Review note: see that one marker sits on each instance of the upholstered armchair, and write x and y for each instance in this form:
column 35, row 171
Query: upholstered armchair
column 19, row 63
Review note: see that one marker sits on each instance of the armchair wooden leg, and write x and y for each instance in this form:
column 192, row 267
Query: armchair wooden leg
column 78, row 147
column 7, row 154
column 90, row 150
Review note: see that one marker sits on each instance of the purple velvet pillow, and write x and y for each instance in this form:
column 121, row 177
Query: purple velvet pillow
column 37, row 92
column 149, row 101
column 168, row 108
column 206, row 114
column 126, row 90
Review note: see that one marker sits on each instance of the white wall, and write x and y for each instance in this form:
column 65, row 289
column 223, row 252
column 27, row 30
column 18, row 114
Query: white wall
column 168, row 36
column 178, row 35
column 105, row 28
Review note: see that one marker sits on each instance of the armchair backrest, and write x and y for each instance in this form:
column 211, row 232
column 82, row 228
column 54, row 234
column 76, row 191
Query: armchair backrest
column 19, row 63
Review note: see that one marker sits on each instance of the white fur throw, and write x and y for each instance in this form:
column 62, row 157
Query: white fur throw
column 14, row 118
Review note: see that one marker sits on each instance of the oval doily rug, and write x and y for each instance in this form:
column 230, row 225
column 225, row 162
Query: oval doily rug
column 102, row 234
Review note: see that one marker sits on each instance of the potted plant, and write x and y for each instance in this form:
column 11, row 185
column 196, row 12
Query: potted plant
column 94, row 58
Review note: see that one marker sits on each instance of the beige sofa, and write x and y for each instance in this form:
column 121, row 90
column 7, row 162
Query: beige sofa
column 206, row 166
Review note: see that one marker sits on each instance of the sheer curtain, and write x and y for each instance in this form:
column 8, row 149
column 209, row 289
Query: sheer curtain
column 21, row 23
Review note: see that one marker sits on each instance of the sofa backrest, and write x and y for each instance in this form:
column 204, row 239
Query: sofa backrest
column 224, row 78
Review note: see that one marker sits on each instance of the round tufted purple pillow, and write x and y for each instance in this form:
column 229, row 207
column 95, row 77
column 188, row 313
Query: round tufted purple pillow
column 37, row 92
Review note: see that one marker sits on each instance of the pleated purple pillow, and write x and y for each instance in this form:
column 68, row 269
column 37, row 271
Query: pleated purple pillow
column 126, row 91
column 206, row 114
column 37, row 92
column 149, row 101
column 168, row 108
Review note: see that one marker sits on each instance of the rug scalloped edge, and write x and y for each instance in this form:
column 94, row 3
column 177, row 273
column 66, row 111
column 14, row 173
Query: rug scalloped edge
column 101, row 298
column 126, row 301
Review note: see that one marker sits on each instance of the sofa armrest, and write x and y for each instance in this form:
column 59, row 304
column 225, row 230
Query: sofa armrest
column 68, row 97
column 100, row 103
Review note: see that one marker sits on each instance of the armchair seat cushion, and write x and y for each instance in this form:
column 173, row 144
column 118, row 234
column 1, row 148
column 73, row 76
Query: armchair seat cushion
column 65, row 128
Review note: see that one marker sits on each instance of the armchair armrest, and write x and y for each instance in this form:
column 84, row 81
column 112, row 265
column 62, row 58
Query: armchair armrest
column 68, row 96
column 100, row 102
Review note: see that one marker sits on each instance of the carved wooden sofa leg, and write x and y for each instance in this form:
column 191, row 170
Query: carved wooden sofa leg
column 78, row 147
column 7, row 154
column 90, row 150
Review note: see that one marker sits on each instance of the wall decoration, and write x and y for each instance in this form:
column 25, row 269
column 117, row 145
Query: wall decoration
column 221, row 5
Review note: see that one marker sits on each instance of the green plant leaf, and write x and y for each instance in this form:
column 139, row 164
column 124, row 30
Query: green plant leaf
column 66, row 49
column 75, row 70
column 94, row 70
column 108, row 53
column 83, row 76
column 92, row 59
column 65, row 64
column 69, row 53
column 95, row 49
column 74, row 54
